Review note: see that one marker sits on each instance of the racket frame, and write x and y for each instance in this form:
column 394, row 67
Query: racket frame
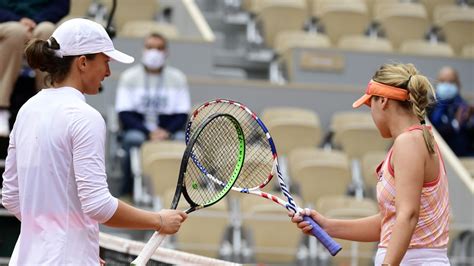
column 332, row 246
column 156, row 239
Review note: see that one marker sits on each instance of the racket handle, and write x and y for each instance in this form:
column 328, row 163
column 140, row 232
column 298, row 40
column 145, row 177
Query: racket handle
column 148, row 249
column 332, row 246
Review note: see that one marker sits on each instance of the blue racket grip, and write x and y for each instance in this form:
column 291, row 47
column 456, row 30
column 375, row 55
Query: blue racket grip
column 332, row 246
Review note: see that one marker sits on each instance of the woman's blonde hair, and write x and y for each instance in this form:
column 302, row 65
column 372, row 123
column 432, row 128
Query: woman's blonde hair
column 421, row 92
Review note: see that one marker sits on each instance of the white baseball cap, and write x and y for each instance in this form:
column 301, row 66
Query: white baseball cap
column 80, row 36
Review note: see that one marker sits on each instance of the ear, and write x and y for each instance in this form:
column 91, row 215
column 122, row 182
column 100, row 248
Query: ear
column 384, row 102
column 81, row 63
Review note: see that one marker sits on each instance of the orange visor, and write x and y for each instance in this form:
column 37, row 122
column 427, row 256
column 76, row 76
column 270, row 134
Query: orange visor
column 378, row 89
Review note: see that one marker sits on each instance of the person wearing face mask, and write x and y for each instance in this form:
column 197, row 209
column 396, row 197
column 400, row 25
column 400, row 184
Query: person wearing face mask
column 452, row 116
column 152, row 102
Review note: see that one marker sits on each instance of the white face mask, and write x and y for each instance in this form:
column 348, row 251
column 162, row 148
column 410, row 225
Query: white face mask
column 446, row 91
column 153, row 58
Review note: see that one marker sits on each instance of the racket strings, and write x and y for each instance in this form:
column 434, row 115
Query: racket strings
column 258, row 158
column 217, row 151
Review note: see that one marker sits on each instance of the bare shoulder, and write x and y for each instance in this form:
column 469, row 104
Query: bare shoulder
column 410, row 139
column 410, row 144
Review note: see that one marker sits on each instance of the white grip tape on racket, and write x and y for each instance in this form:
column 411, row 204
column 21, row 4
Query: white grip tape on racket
column 149, row 249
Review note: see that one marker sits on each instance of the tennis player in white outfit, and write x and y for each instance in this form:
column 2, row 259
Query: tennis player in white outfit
column 55, row 180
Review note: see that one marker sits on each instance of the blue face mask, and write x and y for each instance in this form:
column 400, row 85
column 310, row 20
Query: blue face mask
column 446, row 91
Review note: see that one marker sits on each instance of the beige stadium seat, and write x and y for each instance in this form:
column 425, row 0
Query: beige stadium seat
column 350, row 208
column 365, row 44
column 369, row 163
column 300, row 39
column 142, row 28
column 426, row 48
column 347, row 118
column 252, row 6
column 352, row 130
column 273, row 237
column 292, row 127
column 468, row 51
column 79, row 8
column 319, row 173
column 161, row 162
column 271, row 15
column 457, row 24
column 468, row 162
column 402, row 21
column 430, row 5
column 342, row 17
column 357, row 140
column 129, row 10
column 213, row 220
column 287, row 40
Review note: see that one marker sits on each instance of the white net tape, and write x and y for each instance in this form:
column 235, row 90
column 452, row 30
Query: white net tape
column 169, row 256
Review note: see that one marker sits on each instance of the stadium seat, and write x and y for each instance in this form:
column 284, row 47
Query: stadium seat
column 142, row 28
column 271, row 13
column 79, row 8
column 430, row 5
column 360, row 253
column 346, row 118
column 342, row 17
column 354, row 140
column 402, row 21
column 213, row 220
column 128, row 10
column 299, row 39
column 457, row 23
column 252, row 6
column 468, row 51
column 369, row 163
column 287, row 40
column 273, row 238
column 427, row 48
column 351, row 132
column 364, row 43
column 161, row 162
column 319, row 173
column 292, row 127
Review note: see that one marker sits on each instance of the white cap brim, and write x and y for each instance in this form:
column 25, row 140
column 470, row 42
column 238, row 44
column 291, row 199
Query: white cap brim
column 120, row 57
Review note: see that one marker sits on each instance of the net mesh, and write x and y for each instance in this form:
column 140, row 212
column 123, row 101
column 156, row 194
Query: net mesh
column 120, row 251
column 217, row 151
column 258, row 154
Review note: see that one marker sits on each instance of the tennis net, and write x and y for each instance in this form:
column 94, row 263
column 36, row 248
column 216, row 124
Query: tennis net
column 120, row 251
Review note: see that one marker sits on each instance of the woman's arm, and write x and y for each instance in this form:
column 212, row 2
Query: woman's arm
column 409, row 178
column 363, row 230
column 10, row 190
column 165, row 221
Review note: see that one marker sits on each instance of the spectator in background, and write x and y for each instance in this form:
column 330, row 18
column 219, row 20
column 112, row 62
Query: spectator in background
column 19, row 22
column 452, row 116
column 152, row 102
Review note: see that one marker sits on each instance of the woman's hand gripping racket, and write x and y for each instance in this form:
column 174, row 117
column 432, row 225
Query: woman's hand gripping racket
column 217, row 148
column 261, row 160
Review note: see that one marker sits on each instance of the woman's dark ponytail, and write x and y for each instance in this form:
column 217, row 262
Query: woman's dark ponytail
column 41, row 55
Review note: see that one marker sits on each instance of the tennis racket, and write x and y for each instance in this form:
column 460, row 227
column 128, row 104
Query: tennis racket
column 218, row 145
column 261, row 160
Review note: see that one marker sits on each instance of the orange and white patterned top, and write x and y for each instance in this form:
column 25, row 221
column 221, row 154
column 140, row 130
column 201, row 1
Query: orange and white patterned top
column 432, row 228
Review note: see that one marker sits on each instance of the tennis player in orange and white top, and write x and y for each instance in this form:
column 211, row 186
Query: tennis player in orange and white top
column 412, row 192
column 55, row 180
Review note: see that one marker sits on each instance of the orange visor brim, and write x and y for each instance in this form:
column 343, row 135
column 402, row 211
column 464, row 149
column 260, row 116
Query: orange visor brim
column 379, row 89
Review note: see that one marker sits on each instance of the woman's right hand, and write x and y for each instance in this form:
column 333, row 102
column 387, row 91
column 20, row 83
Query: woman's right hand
column 171, row 220
column 297, row 218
